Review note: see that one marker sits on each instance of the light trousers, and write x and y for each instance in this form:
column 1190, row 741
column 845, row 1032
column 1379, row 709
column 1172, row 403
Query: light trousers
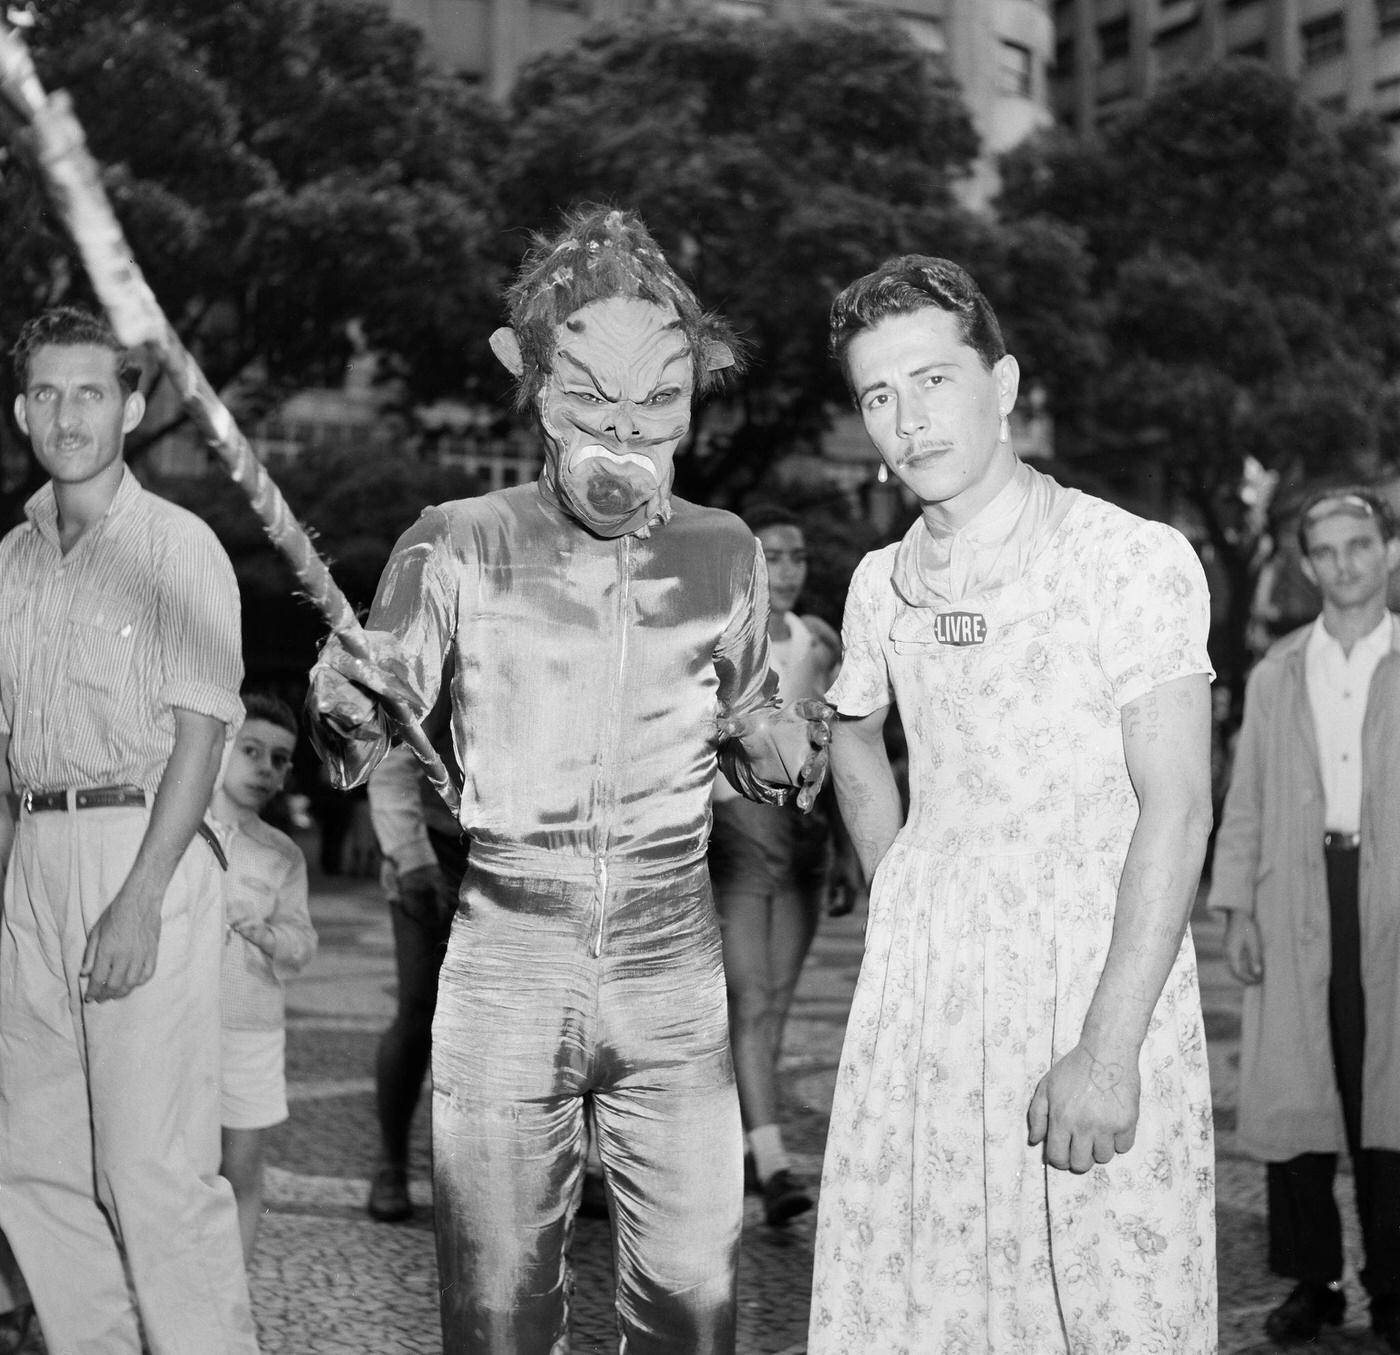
column 109, row 1112
column 554, row 990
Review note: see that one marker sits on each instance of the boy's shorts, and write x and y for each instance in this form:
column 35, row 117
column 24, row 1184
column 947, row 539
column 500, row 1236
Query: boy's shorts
column 253, row 1084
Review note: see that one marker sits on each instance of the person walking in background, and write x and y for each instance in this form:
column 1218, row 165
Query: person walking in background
column 1307, row 867
column 1020, row 1156
column 268, row 936
column 424, row 861
column 771, row 868
column 119, row 673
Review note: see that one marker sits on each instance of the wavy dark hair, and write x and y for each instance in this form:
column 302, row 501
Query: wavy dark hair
column 906, row 285
column 67, row 326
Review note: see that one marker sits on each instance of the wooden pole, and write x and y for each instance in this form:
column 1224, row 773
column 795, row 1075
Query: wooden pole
column 76, row 188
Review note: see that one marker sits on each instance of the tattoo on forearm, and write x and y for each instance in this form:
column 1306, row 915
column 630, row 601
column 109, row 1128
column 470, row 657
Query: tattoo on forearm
column 1143, row 719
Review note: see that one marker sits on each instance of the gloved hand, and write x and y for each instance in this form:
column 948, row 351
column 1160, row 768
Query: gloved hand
column 788, row 745
column 344, row 688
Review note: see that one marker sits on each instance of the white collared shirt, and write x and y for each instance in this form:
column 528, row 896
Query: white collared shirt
column 1338, row 685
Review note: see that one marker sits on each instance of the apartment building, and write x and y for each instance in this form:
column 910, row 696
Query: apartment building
column 1344, row 54
column 998, row 50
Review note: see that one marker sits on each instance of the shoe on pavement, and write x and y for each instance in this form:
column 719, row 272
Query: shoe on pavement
column 1385, row 1318
column 785, row 1195
column 388, row 1196
column 1301, row 1315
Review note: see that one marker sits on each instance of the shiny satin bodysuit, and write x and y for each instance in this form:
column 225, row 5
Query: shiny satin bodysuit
column 587, row 678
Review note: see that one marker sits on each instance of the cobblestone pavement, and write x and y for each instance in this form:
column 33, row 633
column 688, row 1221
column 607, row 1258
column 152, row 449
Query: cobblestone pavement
column 329, row 1281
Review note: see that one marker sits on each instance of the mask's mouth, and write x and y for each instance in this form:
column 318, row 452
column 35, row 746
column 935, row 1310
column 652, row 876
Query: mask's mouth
column 595, row 452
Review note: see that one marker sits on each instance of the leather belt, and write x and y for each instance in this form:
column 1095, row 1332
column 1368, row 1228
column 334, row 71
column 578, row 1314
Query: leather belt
column 95, row 797
column 1341, row 842
column 107, row 797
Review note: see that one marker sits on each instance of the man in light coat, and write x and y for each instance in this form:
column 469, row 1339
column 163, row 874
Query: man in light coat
column 1307, row 865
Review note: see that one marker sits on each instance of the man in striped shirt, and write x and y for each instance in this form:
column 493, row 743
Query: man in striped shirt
column 119, row 674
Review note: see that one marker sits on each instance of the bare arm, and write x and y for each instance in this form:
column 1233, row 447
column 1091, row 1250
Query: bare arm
column 1086, row 1107
column 396, row 810
column 1239, row 842
column 865, row 786
column 121, row 950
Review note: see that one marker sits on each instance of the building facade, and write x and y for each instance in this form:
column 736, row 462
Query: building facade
column 999, row 51
column 1344, row 54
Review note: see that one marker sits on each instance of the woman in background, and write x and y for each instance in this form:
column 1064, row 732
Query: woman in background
column 770, row 867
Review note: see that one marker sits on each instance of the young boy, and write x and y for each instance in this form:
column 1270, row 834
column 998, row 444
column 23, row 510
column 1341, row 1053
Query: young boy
column 267, row 936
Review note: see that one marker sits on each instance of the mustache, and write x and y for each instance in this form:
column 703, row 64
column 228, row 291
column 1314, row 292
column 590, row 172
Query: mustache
column 924, row 449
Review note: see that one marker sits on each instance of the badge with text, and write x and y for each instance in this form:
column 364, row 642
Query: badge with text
column 960, row 628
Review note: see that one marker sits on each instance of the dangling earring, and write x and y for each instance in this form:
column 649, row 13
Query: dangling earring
column 1005, row 434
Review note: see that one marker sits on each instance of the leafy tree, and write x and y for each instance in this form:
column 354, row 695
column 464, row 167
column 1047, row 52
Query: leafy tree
column 289, row 173
column 1246, row 272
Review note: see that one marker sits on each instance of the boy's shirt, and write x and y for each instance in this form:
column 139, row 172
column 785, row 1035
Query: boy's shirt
column 265, row 882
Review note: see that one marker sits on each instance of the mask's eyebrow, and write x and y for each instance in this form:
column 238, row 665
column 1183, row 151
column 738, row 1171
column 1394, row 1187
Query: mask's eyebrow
column 681, row 354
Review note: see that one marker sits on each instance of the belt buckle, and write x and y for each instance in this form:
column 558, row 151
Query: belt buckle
column 26, row 802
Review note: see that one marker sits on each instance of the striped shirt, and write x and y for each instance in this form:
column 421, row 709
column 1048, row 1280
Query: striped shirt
column 97, row 647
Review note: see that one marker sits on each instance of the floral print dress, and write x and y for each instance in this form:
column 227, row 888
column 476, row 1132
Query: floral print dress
column 941, row 1232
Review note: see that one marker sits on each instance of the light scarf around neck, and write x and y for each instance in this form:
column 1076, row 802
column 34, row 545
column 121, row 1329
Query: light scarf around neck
column 934, row 567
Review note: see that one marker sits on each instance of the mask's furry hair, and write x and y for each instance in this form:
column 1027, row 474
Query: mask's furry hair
column 601, row 253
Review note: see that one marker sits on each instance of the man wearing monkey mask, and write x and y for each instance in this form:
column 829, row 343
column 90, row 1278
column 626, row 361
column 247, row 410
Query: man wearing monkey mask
column 608, row 644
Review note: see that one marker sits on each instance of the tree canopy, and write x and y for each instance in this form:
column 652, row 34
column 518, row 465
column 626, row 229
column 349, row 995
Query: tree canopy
column 1245, row 275
column 282, row 168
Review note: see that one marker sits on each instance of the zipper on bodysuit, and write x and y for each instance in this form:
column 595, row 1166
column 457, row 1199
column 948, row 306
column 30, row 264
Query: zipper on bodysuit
column 601, row 865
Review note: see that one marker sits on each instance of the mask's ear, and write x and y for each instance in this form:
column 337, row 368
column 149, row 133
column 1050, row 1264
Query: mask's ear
column 718, row 355
column 506, row 346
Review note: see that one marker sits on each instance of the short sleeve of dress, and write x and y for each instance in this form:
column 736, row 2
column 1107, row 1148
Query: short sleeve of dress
column 863, row 684
column 1155, row 612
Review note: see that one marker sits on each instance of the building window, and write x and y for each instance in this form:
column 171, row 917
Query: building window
column 925, row 32
column 1324, row 39
column 1064, row 57
column 1239, row 4
column 1387, row 100
column 1174, row 15
column 1015, row 70
column 1113, row 39
column 1252, row 51
column 1388, row 16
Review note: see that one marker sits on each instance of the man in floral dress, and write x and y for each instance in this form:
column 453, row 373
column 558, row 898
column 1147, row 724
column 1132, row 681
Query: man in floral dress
column 1020, row 1156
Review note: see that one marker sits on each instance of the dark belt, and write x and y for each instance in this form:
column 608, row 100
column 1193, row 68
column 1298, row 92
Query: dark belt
column 1341, row 842
column 95, row 797
column 107, row 797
